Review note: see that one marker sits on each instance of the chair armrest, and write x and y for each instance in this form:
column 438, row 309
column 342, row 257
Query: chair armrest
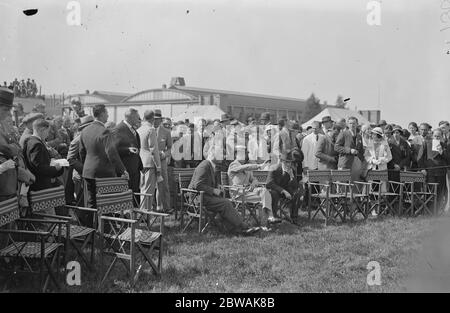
column 319, row 184
column 81, row 208
column 143, row 194
column 395, row 182
column 67, row 218
column 151, row 213
column 42, row 221
column 118, row 219
column 24, row 232
column 375, row 182
column 343, row 184
column 361, row 183
column 190, row 190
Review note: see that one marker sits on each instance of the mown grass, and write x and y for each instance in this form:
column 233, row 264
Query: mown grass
column 306, row 258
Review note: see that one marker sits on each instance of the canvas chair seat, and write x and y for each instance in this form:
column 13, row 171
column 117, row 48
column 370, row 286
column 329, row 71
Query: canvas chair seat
column 142, row 236
column 28, row 249
column 76, row 231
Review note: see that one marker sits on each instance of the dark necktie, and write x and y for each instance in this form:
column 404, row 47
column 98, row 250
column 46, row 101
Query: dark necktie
column 192, row 147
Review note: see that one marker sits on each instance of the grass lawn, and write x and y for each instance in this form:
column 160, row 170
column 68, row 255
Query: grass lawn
column 309, row 258
column 289, row 258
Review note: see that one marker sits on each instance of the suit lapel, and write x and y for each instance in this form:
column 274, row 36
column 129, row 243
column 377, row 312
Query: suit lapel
column 212, row 173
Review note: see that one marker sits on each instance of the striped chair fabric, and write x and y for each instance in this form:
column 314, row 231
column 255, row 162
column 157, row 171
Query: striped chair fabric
column 47, row 199
column 114, row 202
column 111, row 185
column 9, row 211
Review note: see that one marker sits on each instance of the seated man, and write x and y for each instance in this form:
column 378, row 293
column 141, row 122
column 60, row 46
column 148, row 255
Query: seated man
column 240, row 174
column 282, row 183
column 204, row 180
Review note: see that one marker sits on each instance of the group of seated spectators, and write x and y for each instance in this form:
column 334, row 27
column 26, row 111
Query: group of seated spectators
column 22, row 88
column 143, row 149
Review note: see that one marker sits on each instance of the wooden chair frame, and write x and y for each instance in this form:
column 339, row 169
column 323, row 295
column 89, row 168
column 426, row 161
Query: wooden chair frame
column 384, row 201
column 129, row 235
column 37, row 249
column 237, row 195
column 419, row 195
column 74, row 233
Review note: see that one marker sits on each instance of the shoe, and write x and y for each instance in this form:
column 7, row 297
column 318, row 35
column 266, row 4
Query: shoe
column 250, row 231
column 274, row 220
column 374, row 213
column 295, row 221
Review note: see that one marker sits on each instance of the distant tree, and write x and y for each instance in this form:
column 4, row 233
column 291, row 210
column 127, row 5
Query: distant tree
column 312, row 108
column 340, row 102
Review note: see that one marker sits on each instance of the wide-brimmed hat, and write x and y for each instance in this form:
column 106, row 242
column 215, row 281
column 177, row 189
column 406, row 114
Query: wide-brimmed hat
column 327, row 119
column 6, row 97
column 31, row 117
column 234, row 122
column 382, row 123
column 377, row 130
column 85, row 121
column 397, row 128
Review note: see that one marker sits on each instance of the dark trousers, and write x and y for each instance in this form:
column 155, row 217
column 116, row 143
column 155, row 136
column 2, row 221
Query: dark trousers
column 69, row 187
column 86, row 218
column 291, row 204
column 135, row 185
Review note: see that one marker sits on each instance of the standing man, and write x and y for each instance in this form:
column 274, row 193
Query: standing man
column 28, row 122
column 98, row 153
column 127, row 142
column 309, row 144
column 349, row 146
column 150, row 157
column 327, row 124
column 12, row 168
column 325, row 149
column 164, row 146
column 37, row 157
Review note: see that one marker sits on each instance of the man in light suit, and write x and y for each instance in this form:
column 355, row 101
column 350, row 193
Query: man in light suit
column 127, row 142
column 164, row 146
column 98, row 153
column 325, row 149
column 349, row 145
column 309, row 144
column 150, row 158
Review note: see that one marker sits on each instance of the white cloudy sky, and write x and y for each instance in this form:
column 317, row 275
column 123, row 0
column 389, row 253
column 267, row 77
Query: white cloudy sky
column 287, row 48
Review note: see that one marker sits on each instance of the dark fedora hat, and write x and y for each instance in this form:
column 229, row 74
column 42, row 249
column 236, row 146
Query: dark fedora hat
column 158, row 113
column 85, row 121
column 6, row 97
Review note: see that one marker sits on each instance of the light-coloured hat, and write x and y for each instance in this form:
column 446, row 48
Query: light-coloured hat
column 378, row 131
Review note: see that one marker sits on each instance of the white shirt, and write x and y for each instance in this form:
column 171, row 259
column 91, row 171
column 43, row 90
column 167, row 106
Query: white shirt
column 309, row 151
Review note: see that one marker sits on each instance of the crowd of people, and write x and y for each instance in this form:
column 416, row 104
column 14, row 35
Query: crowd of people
column 143, row 149
column 22, row 88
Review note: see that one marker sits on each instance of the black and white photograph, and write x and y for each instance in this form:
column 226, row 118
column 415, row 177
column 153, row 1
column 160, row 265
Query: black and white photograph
column 224, row 152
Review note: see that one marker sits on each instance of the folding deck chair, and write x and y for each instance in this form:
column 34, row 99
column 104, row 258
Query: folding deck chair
column 28, row 251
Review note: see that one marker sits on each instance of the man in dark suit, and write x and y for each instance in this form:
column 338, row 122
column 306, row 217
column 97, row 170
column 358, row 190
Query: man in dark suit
column 37, row 157
column 204, row 179
column 128, row 144
column 282, row 183
column 74, row 183
column 349, row 145
column 435, row 157
column 401, row 154
column 12, row 167
column 325, row 149
column 98, row 153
